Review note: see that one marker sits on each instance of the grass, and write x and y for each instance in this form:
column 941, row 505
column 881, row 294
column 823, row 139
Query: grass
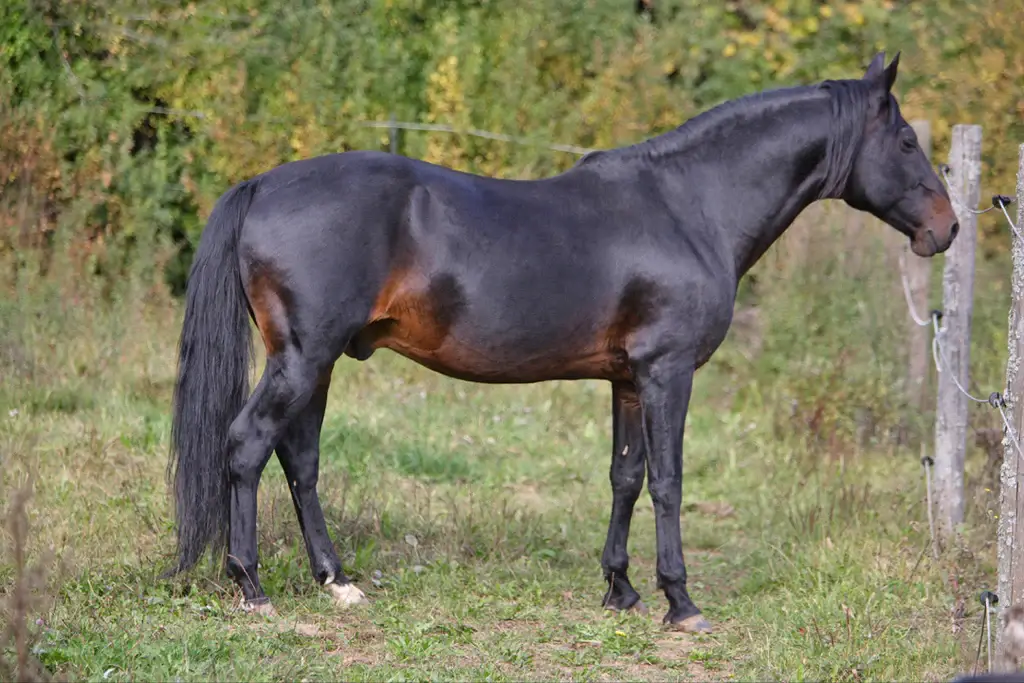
column 474, row 516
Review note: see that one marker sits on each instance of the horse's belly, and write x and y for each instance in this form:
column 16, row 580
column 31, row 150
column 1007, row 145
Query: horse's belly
column 490, row 336
column 491, row 361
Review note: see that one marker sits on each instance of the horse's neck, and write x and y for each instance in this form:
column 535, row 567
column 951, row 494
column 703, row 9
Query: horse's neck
column 752, row 181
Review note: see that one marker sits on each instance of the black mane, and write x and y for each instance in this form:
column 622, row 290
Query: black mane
column 849, row 107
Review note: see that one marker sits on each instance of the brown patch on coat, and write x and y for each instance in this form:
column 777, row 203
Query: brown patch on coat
column 414, row 315
column 411, row 316
column 266, row 300
column 421, row 308
column 636, row 308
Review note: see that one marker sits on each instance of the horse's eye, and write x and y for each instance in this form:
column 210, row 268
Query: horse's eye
column 907, row 144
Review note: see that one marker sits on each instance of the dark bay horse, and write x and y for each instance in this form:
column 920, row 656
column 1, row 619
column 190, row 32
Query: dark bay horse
column 624, row 268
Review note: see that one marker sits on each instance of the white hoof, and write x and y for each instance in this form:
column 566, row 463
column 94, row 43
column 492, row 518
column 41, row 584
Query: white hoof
column 263, row 608
column 346, row 594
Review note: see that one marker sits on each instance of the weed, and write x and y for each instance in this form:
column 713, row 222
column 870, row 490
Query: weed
column 27, row 596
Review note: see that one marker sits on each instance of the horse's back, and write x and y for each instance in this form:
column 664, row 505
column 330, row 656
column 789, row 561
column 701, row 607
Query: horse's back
column 378, row 207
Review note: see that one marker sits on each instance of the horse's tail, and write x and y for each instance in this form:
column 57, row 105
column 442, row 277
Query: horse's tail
column 213, row 381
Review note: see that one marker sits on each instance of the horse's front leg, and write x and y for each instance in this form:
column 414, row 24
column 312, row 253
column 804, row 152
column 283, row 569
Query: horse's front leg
column 664, row 385
column 627, row 479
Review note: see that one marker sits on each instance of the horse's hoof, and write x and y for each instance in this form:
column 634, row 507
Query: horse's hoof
column 695, row 624
column 346, row 594
column 637, row 607
column 263, row 608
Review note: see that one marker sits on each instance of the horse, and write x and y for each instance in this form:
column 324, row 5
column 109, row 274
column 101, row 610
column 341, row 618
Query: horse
column 623, row 268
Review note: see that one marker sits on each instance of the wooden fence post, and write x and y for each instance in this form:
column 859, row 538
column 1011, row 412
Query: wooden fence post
column 1010, row 546
column 955, row 331
column 919, row 338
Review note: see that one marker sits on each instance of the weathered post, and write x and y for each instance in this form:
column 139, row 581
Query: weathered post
column 919, row 338
column 955, row 332
column 1010, row 547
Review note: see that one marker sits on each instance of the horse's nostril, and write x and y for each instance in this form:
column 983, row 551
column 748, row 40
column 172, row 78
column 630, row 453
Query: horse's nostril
column 954, row 229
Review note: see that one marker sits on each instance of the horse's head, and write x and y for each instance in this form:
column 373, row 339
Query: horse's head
column 891, row 177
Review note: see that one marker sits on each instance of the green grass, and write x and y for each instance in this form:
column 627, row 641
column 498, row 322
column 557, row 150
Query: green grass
column 474, row 516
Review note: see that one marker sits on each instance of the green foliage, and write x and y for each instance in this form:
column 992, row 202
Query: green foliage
column 123, row 121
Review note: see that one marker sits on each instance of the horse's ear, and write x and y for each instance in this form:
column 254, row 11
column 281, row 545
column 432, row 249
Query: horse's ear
column 890, row 72
column 876, row 68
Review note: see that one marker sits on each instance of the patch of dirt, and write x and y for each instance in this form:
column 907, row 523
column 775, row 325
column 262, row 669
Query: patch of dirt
column 288, row 626
column 515, row 626
column 360, row 629
column 674, row 661
column 308, row 630
column 679, row 648
column 677, row 655
column 351, row 658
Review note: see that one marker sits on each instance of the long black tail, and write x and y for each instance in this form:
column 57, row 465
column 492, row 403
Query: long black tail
column 213, row 381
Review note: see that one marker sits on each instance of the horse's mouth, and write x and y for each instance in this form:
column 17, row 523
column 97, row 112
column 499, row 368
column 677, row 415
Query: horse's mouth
column 925, row 243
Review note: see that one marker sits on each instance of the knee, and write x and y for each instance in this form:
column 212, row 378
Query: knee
column 615, row 562
column 304, row 480
column 666, row 491
column 628, row 485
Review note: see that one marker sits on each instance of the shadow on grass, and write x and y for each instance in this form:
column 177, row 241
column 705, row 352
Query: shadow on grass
column 391, row 505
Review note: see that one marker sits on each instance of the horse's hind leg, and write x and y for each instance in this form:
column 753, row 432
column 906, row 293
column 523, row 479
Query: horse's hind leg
column 299, row 454
column 288, row 382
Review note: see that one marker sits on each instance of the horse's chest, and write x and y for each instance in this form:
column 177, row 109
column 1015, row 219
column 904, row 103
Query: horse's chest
column 702, row 328
column 711, row 334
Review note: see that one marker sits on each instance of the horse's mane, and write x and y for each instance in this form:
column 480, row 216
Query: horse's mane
column 849, row 108
column 849, row 99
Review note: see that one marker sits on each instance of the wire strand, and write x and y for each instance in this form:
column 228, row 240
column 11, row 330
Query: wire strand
column 918, row 320
column 956, row 197
column 937, row 350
